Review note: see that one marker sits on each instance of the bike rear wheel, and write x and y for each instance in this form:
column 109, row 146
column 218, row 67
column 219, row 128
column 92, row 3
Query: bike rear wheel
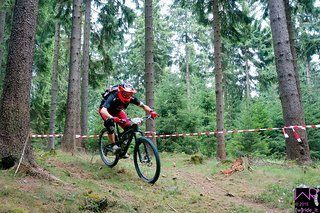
column 146, row 160
column 105, row 149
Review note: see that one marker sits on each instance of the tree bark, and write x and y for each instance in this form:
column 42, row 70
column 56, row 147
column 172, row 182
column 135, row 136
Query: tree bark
column 188, row 79
column 15, row 104
column 55, row 84
column 221, row 150
column 247, row 81
column 72, row 116
column 308, row 71
column 291, row 105
column 290, row 27
column 85, row 70
column 149, row 70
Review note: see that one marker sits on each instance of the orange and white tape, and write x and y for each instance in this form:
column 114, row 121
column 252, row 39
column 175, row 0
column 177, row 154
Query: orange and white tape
column 154, row 135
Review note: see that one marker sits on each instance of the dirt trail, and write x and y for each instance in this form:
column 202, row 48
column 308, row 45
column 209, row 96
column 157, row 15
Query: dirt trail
column 183, row 188
column 225, row 192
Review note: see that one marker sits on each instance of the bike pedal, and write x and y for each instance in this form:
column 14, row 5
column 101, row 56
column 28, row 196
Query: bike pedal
column 109, row 148
column 125, row 156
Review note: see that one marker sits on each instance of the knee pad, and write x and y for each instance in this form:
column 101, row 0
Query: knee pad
column 109, row 124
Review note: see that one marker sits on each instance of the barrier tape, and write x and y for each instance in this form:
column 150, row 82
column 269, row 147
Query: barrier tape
column 154, row 135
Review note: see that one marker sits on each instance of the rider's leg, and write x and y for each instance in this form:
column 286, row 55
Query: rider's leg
column 122, row 115
column 111, row 137
column 109, row 124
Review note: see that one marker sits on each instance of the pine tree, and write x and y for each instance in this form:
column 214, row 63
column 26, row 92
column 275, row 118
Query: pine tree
column 15, row 104
column 291, row 105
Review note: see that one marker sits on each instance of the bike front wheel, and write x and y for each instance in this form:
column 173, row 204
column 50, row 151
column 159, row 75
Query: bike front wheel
column 146, row 160
column 105, row 149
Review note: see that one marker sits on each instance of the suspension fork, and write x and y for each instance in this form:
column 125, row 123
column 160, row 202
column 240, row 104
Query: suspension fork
column 146, row 157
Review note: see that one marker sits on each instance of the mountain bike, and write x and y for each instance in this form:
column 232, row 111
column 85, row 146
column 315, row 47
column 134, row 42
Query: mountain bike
column 145, row 154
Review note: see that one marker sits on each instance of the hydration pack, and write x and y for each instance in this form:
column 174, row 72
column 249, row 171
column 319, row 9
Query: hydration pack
column 108, row 91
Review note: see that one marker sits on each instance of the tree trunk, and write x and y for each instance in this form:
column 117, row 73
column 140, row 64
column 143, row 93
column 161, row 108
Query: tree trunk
column 289, row 94
column 85, row 70
column 308, row 71
column 247, row 81
column 188, row 80
column 290, row 27
column 15, row 104
column 55, row 84
column 221, row 149
column 149, row 70
column 72, row 116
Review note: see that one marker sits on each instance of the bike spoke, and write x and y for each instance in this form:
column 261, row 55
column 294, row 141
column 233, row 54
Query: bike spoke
column 147, row 161
column 105, row 150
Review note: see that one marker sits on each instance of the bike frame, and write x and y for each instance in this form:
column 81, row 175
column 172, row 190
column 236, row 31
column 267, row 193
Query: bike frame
column 131, row 132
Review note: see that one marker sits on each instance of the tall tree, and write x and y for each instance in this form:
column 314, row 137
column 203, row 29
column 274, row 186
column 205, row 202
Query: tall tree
column 188, row 78
column 221, row 149
column 72, row 115
column 85, row 70
column 290, row 26
column 15, row 104
column 54, row 78
column 289, row 94
column 149, row 70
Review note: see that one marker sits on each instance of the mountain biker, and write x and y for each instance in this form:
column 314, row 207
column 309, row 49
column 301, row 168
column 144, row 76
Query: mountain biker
column 111, row 110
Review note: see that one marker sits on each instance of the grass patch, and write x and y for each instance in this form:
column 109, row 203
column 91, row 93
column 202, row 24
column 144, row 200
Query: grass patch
column 283, row 179
column 277, row 196
column 89, row 186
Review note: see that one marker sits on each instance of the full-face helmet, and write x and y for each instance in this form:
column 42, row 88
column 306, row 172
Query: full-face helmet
column 126, row 92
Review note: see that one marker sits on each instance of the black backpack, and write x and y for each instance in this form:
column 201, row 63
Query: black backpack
column 108, row 91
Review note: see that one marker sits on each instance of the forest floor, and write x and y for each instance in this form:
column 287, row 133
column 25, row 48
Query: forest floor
column 89, row 186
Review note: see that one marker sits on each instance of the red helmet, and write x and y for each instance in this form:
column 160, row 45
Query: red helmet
column 126, row 92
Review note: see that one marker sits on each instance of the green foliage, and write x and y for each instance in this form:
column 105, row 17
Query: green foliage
column 174, row 116
column 188, row 25
column 277, row 195
column 6, row 8
column 312, row 118
column 262, row 143
column 280, row 194
column 115, row 18
column 41, row 83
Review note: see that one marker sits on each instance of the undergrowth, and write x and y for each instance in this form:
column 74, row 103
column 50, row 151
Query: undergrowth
column 87, row 185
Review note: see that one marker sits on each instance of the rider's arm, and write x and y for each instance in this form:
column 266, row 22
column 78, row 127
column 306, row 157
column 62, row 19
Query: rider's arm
column 139, row 103
column 106, row 104
column 146, row 108
column 104, row 111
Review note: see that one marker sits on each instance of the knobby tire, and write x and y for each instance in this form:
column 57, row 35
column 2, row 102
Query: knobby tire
column 146, row 160
column 107, row 156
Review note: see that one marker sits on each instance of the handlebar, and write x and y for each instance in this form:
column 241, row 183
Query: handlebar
column 137, row 120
